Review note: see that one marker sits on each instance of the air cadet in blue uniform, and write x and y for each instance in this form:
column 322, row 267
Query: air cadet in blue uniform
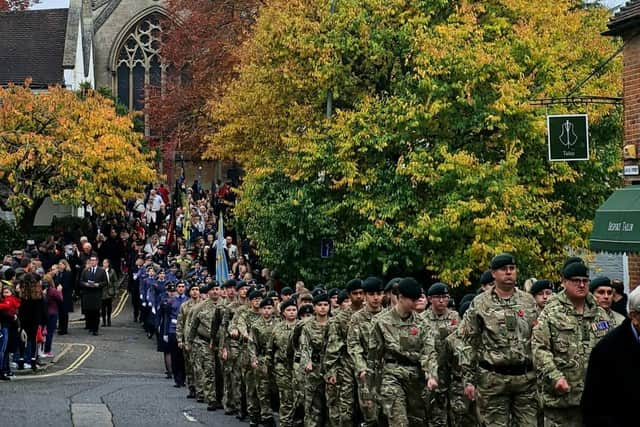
column 177, row 357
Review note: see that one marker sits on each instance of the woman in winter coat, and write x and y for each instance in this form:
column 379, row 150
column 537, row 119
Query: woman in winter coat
column 108, row 292
column 53, row 294
column 64, row 278
column 30, row 315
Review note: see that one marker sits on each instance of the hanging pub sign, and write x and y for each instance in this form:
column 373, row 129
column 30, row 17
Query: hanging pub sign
column 568, row 137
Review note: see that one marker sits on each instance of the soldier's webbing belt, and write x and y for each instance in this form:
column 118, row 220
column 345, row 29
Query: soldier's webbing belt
column 519, row 369
column 402, row 361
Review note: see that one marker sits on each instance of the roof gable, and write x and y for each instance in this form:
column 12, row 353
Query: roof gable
column 32, row 45
column 626, row 18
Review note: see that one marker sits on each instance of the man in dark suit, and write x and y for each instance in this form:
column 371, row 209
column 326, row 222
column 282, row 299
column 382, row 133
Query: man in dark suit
column 610, row 397
column 92, row 280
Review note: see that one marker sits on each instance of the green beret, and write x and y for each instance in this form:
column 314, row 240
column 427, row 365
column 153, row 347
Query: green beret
column 463, row 308
column 391, row 283
column 204, row 288
column 254, row 294
column 486, row 278
column 467, row 297
column 286, row 291
column 600, row 281
column 575, row 269
column 305, row 309
column 265, row 302
column 214, row 284
column 241, row 284
column 501, row 260
column 320, row 297
column 372, row 284
column 353, row 285
column 438, row 289
column 410, row 288
column 272, row 294
column 539, row 286
column 231, row 283
column 342, row 296
column 571, row 260
column 333, row 292
column 288, row 303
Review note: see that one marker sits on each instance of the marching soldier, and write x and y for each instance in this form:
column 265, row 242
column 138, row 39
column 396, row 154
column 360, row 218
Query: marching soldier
column 194, row 297
column 261, row 332
column 602, row 290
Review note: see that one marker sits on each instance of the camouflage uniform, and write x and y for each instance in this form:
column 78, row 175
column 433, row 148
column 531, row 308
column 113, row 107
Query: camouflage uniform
column 394, row 352
column 298, row 371
column 313, row 340
column 278, row 356
column 497, row 335
column 358, row 347
column 338, row 364
column 233, row 378
column 180, row 337
column 199, row 338
column 562, row 342
column 260, row 334
column 440, row 327
column 462, row 411
column 195, row 371
column 615, row 318
column 244, row 321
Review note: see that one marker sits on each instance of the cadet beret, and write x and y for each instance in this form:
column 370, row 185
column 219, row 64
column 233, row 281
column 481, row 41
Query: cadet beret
column 317, row 291
column 321, row 297
column 241, row 284
column 467, row 297
column 410, row 288
column 288, row 303
column 540, row 285
column 438, row 288
column 391, row 283
column 265, row 302
column 353, row 285
column 600, row 281
column 571, row 260
column 214, row 284
column 255, row 294
column 463, row 308
column 205, row 288
column 286, row 291
column 231, row 283
column 333, row 292
column 171, row 287
column 501, row 260
column 272, row 294
column 342, row 295
column 305, row 309
column 486, row 278
column 372, row 284
column 575, row 269
column 194, row 285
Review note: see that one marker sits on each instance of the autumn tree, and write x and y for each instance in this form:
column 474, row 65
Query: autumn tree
column 434, row 158
column 73, row 150
column 200, row 38
column 16, row 4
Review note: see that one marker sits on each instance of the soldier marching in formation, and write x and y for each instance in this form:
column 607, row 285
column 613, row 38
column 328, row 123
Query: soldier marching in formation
column 369, row 355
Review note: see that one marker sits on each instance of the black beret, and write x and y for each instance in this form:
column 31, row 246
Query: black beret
column 272, row 294
column 600, row 281
column 463, row 308
column 540, row 285
column 321, row 297
column 353, row 285
column 240, row 284
column 231, row 283
column 410, row 288
column 486, row 278
column 205, row 288
column 501, row 260
column 333, row 292
column 171, row 287
column 575, row 269
column 305, row 309
column 194, row 285
column 255, row 294
column 372, row 284
column 438, row 288
column 214, row 284
column 571, row 260
column 467, row 298
column 286, row 291
column 342, row 295
column 391, row 283
column 288, row 303
column 265, row 302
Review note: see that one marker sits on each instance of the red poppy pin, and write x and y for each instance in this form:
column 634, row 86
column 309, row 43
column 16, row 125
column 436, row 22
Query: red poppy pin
column 521, row 313
column 454, row 322
column 535, row 322
column 414, row 331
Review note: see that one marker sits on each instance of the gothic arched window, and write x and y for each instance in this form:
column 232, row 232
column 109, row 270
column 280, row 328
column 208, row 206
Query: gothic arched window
column 138, row 63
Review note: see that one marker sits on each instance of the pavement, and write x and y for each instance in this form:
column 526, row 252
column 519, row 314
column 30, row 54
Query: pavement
column 114, row 379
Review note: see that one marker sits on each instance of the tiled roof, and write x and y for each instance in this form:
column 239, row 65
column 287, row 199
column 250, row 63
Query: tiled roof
column 626, row 18
column 32, row 45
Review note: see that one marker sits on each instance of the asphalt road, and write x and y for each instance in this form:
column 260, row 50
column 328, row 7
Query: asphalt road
column 115, row 379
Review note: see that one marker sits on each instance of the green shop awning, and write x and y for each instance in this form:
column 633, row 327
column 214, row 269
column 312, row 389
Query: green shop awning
column 616, row 226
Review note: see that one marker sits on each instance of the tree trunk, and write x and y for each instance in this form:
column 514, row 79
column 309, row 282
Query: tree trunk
column 25, row 223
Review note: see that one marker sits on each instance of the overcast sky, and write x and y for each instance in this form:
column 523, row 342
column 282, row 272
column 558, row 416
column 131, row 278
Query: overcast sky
column 55, row 4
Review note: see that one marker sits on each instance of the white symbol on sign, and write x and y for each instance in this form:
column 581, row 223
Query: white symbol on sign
column 568, row 136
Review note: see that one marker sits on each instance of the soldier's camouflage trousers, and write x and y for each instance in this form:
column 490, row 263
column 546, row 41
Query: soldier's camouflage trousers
column 507, row 400
column 188, row 368
column 462, row 411
column 263, row 388
column 340, row 398
column 436, row 407
column 253, row 381
column 298, row 391
column 401, row 395
column 205, row 367
column 232, row 381
column 562, row 417
column 315, row 404
column 284, row 382
column 368, row 402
